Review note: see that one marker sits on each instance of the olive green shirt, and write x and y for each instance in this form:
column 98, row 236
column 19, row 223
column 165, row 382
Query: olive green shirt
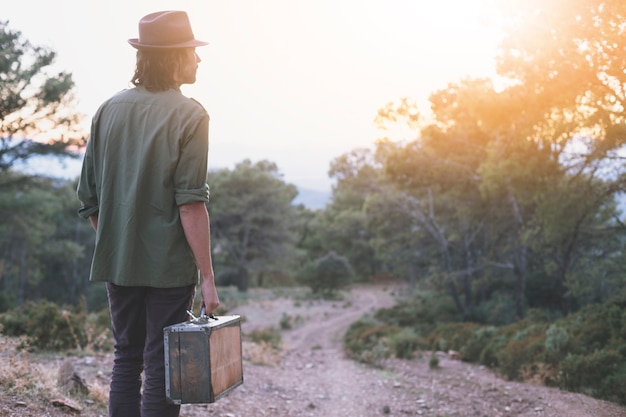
column 146, row 155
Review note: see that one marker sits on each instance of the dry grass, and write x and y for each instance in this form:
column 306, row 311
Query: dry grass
column 537, row 373
column 99, row 392
column 19, row 374
column 262, row 353
column 22, row 374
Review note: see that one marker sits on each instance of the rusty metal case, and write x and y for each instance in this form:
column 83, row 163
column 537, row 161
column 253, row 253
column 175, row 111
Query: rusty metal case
column 203, row 360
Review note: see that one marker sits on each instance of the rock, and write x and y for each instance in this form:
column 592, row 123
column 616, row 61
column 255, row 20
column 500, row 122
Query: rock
column 66, row 404
column 386, row 409
column 69, row 381
column 453, row 354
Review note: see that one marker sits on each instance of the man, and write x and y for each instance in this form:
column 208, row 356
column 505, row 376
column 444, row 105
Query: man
column 143, row 187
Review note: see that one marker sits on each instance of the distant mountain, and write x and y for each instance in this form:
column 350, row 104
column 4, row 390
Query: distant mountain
column 69, row 168
column 62, row 167
column 313, row 199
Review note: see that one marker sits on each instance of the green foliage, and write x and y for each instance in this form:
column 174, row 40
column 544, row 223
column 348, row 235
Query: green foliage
column 433, row 361
column 368, row 341
column 326, row 275
column 98, row 331
column 405, row 343
column 556, row 344
column 285, row 322
column 595, row 374
column 612, row 386
column 252, row 223
column 582, row 352
column 524, row 347
column 45, row 249
column 423, row 311
column 344, row 226
column 47, row 325
column 496, row 310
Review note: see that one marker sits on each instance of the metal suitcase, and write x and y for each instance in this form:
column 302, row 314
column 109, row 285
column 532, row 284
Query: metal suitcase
column 203, row 359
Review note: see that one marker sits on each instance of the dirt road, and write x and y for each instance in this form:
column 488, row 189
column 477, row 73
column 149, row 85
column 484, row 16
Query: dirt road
column 313, row 377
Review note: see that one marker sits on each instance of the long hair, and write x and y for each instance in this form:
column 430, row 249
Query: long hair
column 156, row 69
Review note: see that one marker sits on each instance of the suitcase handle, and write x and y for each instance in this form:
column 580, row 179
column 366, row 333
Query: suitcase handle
column 203, row 319
column 203, row 313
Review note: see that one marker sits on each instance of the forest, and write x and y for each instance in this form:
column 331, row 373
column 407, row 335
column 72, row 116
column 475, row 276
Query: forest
column 507, row 203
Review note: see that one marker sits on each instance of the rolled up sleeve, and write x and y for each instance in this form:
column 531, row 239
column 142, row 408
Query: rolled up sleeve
column 86, row 190
column 192, row 196
column 191, row 172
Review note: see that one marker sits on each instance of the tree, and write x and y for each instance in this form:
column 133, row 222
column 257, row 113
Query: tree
column 327, row 275
column 548, row 168
column 45, row 249
column 343, row 225
column 566, row 63
column 36, row 113
column 252, row 222
column 27, row 211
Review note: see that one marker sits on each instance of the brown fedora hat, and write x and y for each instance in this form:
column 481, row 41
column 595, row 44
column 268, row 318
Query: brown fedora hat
column 165, row 30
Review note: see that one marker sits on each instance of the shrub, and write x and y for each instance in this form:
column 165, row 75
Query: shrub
column 613, row 387
column 556, row 343
column 525, row 347
column 98, row 331
column 405, row 343
column 285, row 322
column 496, row 310
column 450, row 336
column 423, row 312
column 489, row 354
column 327, row 275
column 433, row 361
column 288, row 322
column 478, row 339
column 368, row 341
column 588, row 373
column 270, row 336
column 47, row 325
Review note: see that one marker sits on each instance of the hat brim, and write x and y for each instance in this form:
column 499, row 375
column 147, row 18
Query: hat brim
column 189, row 44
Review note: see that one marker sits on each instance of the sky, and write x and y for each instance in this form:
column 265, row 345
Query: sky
column 296, row 82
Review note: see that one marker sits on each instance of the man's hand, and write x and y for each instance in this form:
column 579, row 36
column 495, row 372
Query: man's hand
column 210, row 299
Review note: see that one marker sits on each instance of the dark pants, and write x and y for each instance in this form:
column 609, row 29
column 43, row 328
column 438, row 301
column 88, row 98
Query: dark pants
column 138, row 316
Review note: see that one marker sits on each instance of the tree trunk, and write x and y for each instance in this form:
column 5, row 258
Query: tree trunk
column 521, row 260
column 242, row 279
column 23, row 276
column 467, row 281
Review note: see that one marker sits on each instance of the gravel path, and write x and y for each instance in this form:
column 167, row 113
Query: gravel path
column 313, row 377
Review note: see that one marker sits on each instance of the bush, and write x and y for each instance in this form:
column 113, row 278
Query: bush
column 613, row 387
column 405, row 343
column 594, row 374
column 47, row 325
column 584, row 351
column 480, row 337
column 270, row 336
column 327, row 275
column 98, row 330
column 368, row 341
column 557, row 342
column 433, row 361
column 496, row 310
column 423, row 312
column 525, row 347
column 446, row 336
